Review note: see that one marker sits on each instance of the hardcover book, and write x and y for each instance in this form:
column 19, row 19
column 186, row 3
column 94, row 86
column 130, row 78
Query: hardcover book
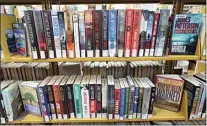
column 164, row 85
column 186, row 29
column 82, row 34
column 111, row 97
column 117, row 99
column 136, row 94
column 122, row 99
column 126, row 98
column 104, row 98
column 104, row 33
column 131, row 97
column 93, row 101
column 98, row 96
column 76, row 35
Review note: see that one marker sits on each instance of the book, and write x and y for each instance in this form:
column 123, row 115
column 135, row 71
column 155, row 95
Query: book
column 161, row 33
column 122, row 99
column 11, row 43
column 117, row 99
column 168, row 82
column 131, row 97
column 110, row 80
column 28, row 90
column 126, row 98
column 112, row 32
column 104, row 98
column 184, row 38
column 98, row 96
column 136, row 96
column 93, row 101
column 82, row 34
column 62, row 33
column 104, row 33
column 121, row 32
column 128, row 31
column 40, row 34
column 76, row 35
column 56, row 33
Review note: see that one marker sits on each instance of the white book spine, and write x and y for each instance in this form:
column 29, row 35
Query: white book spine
column 145, row 104
column 104, row 99
column 7, row 102
column 85, row 102
column 76, row 35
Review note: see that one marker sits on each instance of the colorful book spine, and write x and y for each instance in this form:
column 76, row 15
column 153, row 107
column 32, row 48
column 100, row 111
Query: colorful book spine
column 143, row 28
column 92, row 100
column 62, row 33
column 112, row 32
column 77, row 100
column 68, row 15
column 29, row 19
column 136, row 32
column 203, row 97
column 117, row 100
column 20, row 39
column 154, row 33
column 11, row 41
column 122, row 100
column 63, row 102
column 199, row 100
column 104, row 98
column 82, row 34
column 57, row 101
column 89, row 33
column 97, row 32
column 110, row 97
column 40, row 34
column 149, row 33
column 98, row 96
column 85, row 96
column 51, row 101
column 126, row 100
column 70, row 100
column 135, row 107
column 128, row 31
column 104, row 33
column 161, row 33
column 46, row 16
column 76, row 35
column 141, row 92
column 56, row 33
column 121, row 31
column 131, row 99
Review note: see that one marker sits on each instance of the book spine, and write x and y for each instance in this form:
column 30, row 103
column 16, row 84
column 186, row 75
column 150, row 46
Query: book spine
column 121, row 32
column 40, row 34
column 7, row 102
column 204, row 113
column 126, row 103
column 76, row 35
column 154, row 33
column 152, row 99
column 161, row 33
column 141, row 92
column 104, row 100
column 145, row 103
column 69, row 33
column 143, row 28
column 195, row 101
column 92, row 101
column 199, row 100
column 85, row 101
column 99, row 100
column 62, row 33
column 104, row 33
column 135, row 32
column 77, row 101
column 11, row 41
column 111, row 101
column 117, row 104
column 56, row 33
column 149, row 33
column 51, row 101
column 3, row 116
column 203, row 97
column 57, row 101
column 131, row 102
column 128, row 31
column 82, row 34
column 112, row 30
column 70, row 101
column 122, row 104
column 97, row 32
column 29, row 19
column 135, row 102
column 46, row 15
column 89, row 33
column 63, row 102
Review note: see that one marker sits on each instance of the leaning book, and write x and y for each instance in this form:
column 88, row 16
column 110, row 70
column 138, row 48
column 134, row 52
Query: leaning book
column 169, row 90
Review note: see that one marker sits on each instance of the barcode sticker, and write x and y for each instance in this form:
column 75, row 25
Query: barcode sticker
column 138, row 115
column 127, row 53
column 10, row 119
column 98, row 115
column 134, row 52
column 146, row 52
column 71, row 54
column 51, row 54
column 72, row 115
column 144, row 116
column 53, row 116
column 42, row 54
column 121, row 118
column 120, row 53
column 104, row 115
column 151, row 52
column 46, row 118
column 110, row 116
column 58, row 54
column 134, row 115
column 116, row 116
column 89, row 53
column 2, row 54
column 79, row 116
column 112, row 53
column 149, row 115
column 105, row 53
column 97, row 53
column 64, row 53
column 130, row 117
column 3, row 120
column 34, row 55
column 59, row 116
column 65, row 117
column 141, row 52
column 83, row 54
column 93, row 115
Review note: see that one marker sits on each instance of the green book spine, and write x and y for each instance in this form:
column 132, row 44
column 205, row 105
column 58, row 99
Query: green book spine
column 126, row 103
column 77, row 101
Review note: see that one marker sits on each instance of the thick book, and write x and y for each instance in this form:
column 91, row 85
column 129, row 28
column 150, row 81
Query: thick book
column 136, row 96
column 128, row 31
column 98, row 96
column 116, row 99
column 82, row 34
column 112, row 32
column 77, row 97
column 56, row 33
column 162, row 31
column 40, row 34
column 149, row 33
column 89, row 33
column 111, row 100
column 97, row 32
column 126, row 98
column 93, row 101
column 76, row 35
column 47, row 21
column 121, row 32
column 154, row 33
column 85, row 96
column 43, row 97
column 30, row 24
column 131, row 97
column 122, row 99
column 68, row 19
column 62, row 33
column 186, row 29
column 104, row 98
column 104, row 33
column 11, row 43
column 162, row 98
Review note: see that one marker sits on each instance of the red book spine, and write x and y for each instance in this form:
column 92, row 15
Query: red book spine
column 117, row 102
column 128, row 31
column 135, row 32
column 57, row 101
column 154, row 33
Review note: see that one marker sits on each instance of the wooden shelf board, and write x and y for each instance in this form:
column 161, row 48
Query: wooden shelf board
column 29, row 59
column 203, row 57
column 159, row 114
column 199, row 119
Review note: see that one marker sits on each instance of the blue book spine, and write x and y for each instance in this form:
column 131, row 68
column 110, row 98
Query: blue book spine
column 122, row 103
column 135, row 108
column 112, row 32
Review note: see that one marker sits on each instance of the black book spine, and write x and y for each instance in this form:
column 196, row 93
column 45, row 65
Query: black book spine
column 152, row 99
column 70, row 101
column 11, row 41
column 92, row 100
column 99, row 100
column 29, row 19
column 104, row 32
column 111, row 101
column 51, row 101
